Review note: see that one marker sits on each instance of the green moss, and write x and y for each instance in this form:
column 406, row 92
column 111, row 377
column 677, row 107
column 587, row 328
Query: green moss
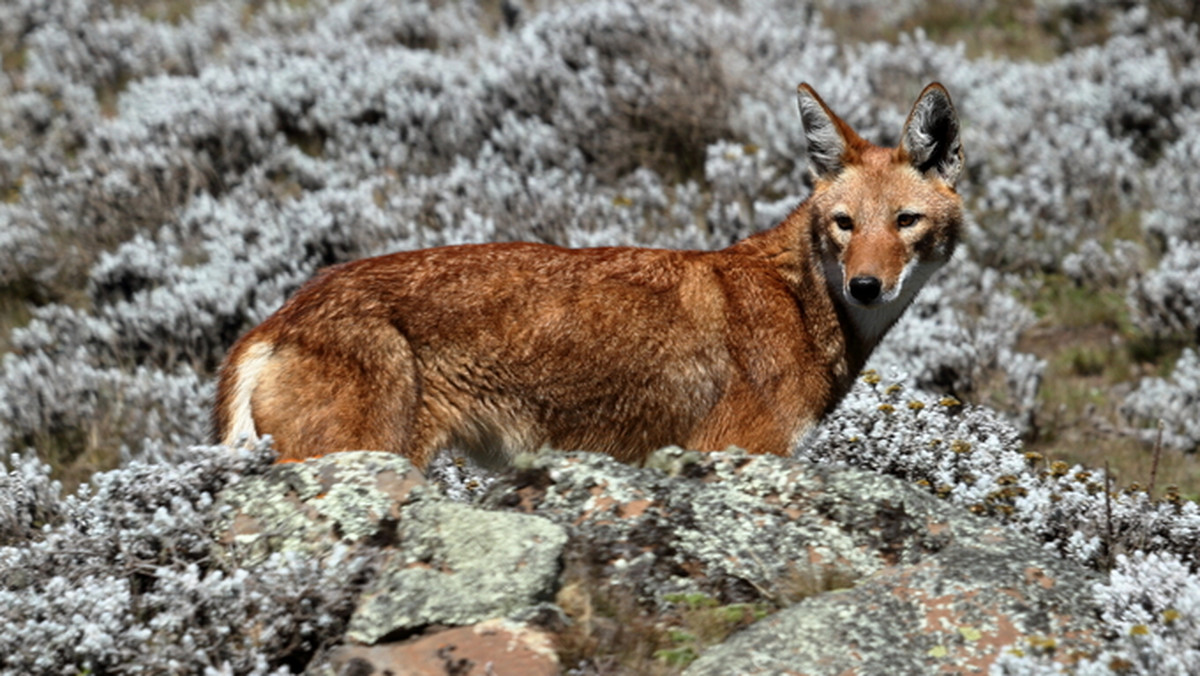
column 678, row 657
column 108, row 94
column 15, row 311
column 1086, row 361
column 13, row 61
column 10, row 194
column 1016, row 30
column 610, row 627
column 703, row 622
column 693, row 601
column 173, row 12
column 1066, row 304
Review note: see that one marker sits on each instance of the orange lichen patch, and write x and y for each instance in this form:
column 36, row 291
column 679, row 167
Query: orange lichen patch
column 969, row 628
column 900, row 581
column 969, row 648
column 242, row 524
column 494, row 646
column 1013, row 594
column 940, row 613
column 991, row 642
column 398, row 486
column 1037, row 575
column 601, row 505
column 288, row 461
column 994, row 536
column 529, row 497
column 634, row 508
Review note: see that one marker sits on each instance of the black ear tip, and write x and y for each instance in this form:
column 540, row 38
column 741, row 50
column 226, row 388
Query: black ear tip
column 935, row 91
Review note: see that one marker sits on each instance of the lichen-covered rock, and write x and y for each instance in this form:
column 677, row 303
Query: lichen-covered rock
column 738, row 527
column 954, row 612
column 925, row 585
column 930, row 585
column 436, row 561
column 491, row 647
column 457, row 564
column 310, row 506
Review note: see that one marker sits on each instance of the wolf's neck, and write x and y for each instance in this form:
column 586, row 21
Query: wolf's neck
column 869, row 325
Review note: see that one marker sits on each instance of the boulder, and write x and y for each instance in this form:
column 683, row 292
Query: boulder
column 458, row 564
column 309, row 507
column 921, row 584
column 436, row 562
column 868, row 573
column 953, row 612
column 492, row 647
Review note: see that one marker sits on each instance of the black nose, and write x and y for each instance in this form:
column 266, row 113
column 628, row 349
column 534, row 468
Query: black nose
column 865, row 289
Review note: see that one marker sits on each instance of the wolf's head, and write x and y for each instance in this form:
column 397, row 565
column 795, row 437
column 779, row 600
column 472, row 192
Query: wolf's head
column 883, row 220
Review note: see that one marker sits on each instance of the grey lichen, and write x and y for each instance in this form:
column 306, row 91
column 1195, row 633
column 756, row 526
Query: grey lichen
column 953, row 611
column 459, row 565
column 310, row 506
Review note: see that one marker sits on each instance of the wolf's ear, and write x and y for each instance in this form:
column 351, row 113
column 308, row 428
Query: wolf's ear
column 930, row 138
column 825, row 132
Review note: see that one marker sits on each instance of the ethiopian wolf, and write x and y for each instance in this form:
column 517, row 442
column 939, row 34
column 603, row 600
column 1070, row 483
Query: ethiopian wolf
column 497, row 349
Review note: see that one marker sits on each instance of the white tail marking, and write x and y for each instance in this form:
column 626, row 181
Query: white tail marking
column 241, row 419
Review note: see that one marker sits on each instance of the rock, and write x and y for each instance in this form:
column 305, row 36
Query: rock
column 459, row 564
column 873, row 575
column 350, row 498
column 495, row 647
column 739, row 527
column 954, row 612
column 926, row 585
column 435, row 562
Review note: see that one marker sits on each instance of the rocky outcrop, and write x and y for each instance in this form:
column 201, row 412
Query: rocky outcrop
column 310, row 507
column 456, row 564
column 868, row 574
column 928, row 586
column 952, row 612
column 437, row 562
column 498, row 647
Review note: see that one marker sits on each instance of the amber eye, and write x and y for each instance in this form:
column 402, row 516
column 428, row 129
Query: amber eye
column 906, row 219
column 843, row 221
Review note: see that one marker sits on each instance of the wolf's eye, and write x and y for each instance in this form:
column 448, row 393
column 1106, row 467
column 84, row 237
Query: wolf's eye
column 843, row 221
column 907, row 219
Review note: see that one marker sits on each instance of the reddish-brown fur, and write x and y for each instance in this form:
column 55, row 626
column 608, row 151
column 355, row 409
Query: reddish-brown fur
column 500, row 348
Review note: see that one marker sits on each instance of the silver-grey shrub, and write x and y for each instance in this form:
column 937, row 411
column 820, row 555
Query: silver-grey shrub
column 123, row 577
column 973, row 457
column 1164, row 300
column 30, row 499
column 1173, row 401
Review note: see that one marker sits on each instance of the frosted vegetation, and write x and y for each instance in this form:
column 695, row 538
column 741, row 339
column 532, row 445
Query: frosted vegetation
column 171, row 171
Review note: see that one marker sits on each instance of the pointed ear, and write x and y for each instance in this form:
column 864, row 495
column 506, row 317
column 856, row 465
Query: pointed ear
column 825, row 133
column 930, row 138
